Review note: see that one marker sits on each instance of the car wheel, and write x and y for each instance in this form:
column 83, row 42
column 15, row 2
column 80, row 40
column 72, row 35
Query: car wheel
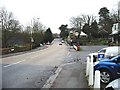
column 105, row 76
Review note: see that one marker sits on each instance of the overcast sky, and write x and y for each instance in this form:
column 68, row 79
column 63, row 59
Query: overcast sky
column 53, row 13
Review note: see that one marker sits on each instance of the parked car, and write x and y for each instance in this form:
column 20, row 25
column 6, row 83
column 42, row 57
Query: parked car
column 48, row 43
column 60, row 43
column 109, row 69
column 114, row 85
column 108, row 52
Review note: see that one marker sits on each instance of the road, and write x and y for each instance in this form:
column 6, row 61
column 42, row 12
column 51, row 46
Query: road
column 32, row 69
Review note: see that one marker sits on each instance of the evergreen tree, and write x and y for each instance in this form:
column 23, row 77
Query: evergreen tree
column 86, row 29
column 48, row 36
column 94, row 29
column 105, row 20
column 64, row 32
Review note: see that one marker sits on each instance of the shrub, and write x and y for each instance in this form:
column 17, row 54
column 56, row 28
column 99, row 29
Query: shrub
column 5, row 51
column 19, row 48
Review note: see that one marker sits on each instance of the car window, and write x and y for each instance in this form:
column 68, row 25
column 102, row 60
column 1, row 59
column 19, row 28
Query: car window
column 102, row 51
column 114, row 58
column 118, row 59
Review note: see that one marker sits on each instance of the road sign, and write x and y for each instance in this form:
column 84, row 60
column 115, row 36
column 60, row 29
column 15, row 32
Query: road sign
column 101, row 55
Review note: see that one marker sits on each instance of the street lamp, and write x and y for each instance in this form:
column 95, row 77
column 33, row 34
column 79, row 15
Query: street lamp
column 76, row 34
column 77, row 42
column 32, row 40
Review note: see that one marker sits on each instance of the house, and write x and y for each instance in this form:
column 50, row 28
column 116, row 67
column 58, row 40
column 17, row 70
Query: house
column 75, row 35
column 82, row 34
column 115, row 35
column 75, row 32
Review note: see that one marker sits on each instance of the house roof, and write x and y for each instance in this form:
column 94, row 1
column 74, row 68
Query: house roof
column 83, row 34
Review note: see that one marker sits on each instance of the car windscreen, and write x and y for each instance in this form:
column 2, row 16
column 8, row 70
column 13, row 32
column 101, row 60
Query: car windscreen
column 102, row 51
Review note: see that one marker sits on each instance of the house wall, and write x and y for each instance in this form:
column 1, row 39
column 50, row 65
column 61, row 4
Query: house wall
column 119, row 8
column 115, row 27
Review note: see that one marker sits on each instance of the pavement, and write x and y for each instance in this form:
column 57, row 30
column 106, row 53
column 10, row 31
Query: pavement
column 71, row 76
column 18, row 53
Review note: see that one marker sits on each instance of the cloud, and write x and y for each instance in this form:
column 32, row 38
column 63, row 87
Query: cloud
column 53, row 13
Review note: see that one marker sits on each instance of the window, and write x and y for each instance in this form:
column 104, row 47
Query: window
column 102, row 51
column 118, row 59
column 115, row 27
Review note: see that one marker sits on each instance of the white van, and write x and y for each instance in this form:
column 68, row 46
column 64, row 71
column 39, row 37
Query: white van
column 108, row 52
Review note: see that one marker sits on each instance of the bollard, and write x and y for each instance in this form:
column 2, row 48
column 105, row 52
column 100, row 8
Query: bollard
column 97, row 80
column 87, row 66
column 91, row 74
column 91, row 58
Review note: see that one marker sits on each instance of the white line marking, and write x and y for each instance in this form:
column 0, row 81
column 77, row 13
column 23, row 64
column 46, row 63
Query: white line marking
column 14, row 63
column 52, row 78
column 34, row 57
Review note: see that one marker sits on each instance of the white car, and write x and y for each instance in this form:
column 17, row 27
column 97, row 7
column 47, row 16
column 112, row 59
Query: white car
column 114, row 85
column 107, row 52
column 62, row 41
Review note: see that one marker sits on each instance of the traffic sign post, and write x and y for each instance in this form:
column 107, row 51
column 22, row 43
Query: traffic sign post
column 101, row 56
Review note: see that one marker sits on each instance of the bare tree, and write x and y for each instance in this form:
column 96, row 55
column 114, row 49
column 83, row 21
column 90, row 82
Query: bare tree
column 36, row 31
column 76, row 22
column 114, row 15
column 88, row 19
column 8, row 25
column 37, row 26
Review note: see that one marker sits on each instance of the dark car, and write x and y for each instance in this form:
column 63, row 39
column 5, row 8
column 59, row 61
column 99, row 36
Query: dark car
column 60, row 43
column 109, row 69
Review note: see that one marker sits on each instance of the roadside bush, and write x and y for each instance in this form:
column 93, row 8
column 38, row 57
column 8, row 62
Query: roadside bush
column 4, row 51
column 96, row 41
column 102, row 41
column 19, row 48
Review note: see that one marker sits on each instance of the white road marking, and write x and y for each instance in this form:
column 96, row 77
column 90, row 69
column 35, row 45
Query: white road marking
column 34, row 57
column 52, row 78
column 14, row 63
